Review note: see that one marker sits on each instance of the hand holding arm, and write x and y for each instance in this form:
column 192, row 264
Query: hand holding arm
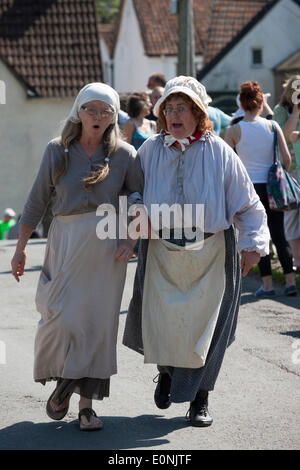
column 125, row 250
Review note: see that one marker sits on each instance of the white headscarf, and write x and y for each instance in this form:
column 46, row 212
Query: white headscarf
column 95, row 91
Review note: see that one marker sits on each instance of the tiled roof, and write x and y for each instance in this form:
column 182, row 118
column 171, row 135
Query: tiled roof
column 227, row 19
column 159, row 27
column 108, row 33
column 290, row 64
column 216, row 24
column 51, row 45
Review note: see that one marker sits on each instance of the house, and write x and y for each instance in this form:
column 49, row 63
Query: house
column 235, row 40
column 261, row 44
column 49, row 49
column 107, row 40
column 146, row 39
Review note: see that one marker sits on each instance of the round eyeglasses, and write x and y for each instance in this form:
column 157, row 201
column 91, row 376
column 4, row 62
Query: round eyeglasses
column 180, row 110
column 94, row 112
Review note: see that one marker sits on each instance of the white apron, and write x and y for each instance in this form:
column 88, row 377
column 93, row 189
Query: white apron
column 183, row 291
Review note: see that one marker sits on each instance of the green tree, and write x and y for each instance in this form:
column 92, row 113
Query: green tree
column 108, row 10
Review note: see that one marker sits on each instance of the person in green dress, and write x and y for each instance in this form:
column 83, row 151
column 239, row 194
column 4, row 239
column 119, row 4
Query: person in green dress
column 7, row 222
column 287, row 114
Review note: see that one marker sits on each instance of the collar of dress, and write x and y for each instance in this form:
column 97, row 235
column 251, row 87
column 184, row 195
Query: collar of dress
column 169, row 139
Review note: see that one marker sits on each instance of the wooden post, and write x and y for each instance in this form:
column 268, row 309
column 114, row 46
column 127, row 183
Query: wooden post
column 186, row 46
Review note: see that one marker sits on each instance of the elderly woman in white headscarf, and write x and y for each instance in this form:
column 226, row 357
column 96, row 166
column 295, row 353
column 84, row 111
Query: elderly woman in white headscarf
column 186, row 293
column 80, row 287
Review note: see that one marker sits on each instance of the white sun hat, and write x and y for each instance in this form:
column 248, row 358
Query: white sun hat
column 10, row 212
column 189, row 86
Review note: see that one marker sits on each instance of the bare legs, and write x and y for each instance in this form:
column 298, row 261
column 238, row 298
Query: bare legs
column 295, row 246
column 268, row 285
column 87, row 403
column 83, row 403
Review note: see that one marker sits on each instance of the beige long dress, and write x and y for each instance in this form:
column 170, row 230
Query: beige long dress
column 78, row 296
column 80, row 287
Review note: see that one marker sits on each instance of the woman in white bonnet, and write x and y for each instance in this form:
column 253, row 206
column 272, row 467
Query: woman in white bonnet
column 80, row 287
column 185, row 302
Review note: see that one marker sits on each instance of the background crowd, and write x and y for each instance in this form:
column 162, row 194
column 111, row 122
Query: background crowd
column 137, row 123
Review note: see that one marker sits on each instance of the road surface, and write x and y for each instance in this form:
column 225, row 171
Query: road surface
column 255, row 405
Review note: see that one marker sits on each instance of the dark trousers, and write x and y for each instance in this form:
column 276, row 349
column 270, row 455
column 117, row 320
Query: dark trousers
column 275, row 224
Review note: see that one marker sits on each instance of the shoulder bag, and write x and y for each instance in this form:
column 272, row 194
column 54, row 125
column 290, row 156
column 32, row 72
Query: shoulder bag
column 283, row 190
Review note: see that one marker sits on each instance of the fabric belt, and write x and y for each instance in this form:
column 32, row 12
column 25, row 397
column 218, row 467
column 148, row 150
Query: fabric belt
column 181, row 240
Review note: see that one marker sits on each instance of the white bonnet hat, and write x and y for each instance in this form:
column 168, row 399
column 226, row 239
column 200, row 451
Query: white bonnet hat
column 95, row 91
column 10, row 212
column 189, row 86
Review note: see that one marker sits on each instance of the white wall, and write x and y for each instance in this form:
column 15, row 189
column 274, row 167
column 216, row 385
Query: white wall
column 26, row 125
column 132, row 67
column 130, row 62
column 106, row 63
column 277, row 33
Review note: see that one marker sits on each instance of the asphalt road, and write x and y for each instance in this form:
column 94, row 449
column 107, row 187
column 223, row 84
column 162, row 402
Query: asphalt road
column 255, row 405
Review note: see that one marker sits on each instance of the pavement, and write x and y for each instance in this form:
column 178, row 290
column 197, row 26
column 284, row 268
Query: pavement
column 255, row 404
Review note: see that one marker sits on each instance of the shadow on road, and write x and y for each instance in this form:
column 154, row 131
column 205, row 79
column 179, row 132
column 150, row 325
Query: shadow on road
column 293, row 334
column 119, row 433
column 34, row 268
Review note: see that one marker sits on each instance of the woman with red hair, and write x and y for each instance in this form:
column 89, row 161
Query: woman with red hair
column 184, row 308
column 253, row 138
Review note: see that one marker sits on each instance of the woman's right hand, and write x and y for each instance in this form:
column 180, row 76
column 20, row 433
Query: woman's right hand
column 18, row 264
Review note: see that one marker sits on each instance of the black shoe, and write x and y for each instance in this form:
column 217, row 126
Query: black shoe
column 162, row 391
column 198, row 412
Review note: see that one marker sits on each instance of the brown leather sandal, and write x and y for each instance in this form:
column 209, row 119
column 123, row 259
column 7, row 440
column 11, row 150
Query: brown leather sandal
column 57, row 415
column 88, row 413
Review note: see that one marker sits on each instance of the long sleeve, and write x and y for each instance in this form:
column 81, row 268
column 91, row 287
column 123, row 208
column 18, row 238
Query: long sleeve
column 244, row 207
column 41, row 192
column 135, row 181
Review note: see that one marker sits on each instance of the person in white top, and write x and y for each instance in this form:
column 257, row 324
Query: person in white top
column 252, row 138
column 184, row 308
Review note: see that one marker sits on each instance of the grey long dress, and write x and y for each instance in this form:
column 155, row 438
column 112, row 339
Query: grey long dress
column 80, row 286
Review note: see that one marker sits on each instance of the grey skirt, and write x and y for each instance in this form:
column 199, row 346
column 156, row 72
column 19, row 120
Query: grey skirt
column 94, row 389
column 187, row 382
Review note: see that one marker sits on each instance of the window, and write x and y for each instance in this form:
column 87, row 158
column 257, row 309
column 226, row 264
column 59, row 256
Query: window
column 257, row 57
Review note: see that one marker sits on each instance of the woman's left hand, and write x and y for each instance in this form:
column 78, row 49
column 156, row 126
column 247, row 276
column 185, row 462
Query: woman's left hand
column 249, row 259
column 125, row 250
